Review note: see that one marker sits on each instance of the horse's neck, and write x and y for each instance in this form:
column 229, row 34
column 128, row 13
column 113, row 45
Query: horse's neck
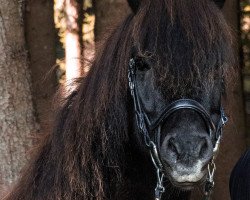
column 140, row 179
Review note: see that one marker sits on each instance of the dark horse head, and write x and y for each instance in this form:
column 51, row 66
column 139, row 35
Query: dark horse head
column 179, row 60
column 179, row 53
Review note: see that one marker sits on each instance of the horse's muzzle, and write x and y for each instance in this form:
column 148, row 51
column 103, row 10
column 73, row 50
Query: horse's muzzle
column 185, row 158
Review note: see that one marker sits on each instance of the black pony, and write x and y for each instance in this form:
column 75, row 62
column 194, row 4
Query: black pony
column 148, row 113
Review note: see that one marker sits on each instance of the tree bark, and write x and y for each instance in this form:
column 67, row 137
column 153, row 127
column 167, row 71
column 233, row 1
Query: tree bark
column 108, row 13
column 73, row 39
column 234, row 142
column 17, row 121
column 40, row 37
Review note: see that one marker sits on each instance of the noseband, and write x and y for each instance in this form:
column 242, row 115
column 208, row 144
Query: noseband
column 145, row 126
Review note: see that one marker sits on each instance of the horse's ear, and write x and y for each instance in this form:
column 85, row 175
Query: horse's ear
column 219, row 3
column 134, row 5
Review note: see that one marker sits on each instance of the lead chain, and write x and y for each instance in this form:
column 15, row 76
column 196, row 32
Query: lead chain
column 209, row 185
column 159, row 189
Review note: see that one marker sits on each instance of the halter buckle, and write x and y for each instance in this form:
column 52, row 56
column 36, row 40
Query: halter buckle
column 224, row 118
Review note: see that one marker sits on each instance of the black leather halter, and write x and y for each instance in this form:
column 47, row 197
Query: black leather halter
column 145, row 126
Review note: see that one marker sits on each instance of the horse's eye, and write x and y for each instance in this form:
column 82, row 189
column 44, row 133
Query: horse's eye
column 141, row 64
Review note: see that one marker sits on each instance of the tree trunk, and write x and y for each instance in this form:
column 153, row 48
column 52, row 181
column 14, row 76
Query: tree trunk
column 40, row 37
column 73, row 39
column 107, row 13
column 234, row 142
column 17, row 122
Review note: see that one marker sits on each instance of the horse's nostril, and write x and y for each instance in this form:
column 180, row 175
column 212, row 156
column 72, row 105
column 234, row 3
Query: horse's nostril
column 203, row 149
column 172, row 146
column 187, row 149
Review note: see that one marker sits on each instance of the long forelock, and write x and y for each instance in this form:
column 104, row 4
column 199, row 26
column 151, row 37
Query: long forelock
column 190, row 41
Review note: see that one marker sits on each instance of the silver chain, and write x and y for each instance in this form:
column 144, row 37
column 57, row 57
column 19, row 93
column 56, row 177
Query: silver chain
column 159, row 189
column 209, row 185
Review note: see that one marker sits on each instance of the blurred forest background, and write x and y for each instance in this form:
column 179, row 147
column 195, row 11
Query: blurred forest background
column 45, row 45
